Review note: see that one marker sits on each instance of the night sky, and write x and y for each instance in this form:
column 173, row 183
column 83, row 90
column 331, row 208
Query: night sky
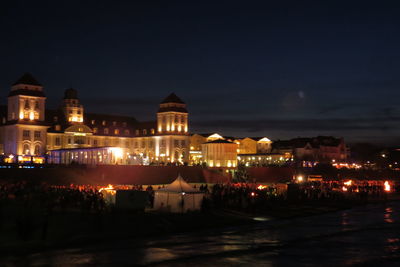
column 279, row 69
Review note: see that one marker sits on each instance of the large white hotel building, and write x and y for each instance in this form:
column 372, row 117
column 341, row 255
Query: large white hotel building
column 29, row 132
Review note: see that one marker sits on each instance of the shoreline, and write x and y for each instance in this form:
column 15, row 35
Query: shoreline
column 158, row 225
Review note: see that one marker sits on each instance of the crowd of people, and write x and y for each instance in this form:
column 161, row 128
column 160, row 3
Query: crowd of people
column 336, row 190
column 252, row 197
column 87, row 198
column 243, row 196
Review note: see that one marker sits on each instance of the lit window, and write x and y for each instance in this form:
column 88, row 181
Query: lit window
column 27, row 149
column 55, row 118
column 144, row 131
column 137, row 132
column 126, row 132
column 103, row 123
column 58, row 127
column 94, row 130
column 105, row 130
column 152, row 131
column 26, row 133
column 93, row 122
column 37, row 150
column 116, row 131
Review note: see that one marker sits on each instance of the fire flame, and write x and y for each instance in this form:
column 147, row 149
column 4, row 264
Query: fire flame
column 349, row 182
column 108, row 189
column 387, row 186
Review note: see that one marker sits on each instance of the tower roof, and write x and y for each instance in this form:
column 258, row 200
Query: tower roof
column 27, row 78
column 172, row 98
column 71, row 93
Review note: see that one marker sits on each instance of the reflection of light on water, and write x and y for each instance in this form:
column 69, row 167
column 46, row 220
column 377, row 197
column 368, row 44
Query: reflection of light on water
column 388, row 215
column 158, row 254
column 393, row 245
column 345, row 219
column 261, row 219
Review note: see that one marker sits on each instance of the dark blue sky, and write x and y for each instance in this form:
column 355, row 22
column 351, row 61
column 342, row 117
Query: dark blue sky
column 251, row 68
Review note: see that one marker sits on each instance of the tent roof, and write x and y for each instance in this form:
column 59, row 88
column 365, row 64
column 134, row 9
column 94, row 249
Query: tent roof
column 179, row 186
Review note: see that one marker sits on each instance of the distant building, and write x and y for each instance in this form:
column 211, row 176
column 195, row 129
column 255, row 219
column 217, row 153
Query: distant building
column 196, row 141
column 248, row 145
column 264, row 159
column 315, row 149
column 254, row 145
column 29, row 131
column 220, row 153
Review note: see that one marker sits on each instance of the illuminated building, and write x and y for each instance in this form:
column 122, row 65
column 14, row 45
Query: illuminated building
column 196, row 141
column 248, row 145
column 29, row 130
column 264, row 159
column 220, row 153
column 253, row 145
column 315, row 149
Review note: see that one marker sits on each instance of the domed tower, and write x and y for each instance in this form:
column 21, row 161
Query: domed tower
column 26, row 100
column 172, row 127
column 172, row 116
column 26, row 129
column 73, row 110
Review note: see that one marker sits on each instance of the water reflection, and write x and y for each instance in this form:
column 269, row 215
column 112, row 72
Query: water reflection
column 388, row 215
column 393, row 245
column 357, row 236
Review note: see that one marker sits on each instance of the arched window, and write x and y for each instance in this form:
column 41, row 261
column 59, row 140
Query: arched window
column 37, row 150
column 27, row 150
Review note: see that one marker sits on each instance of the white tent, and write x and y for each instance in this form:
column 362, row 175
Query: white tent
column 178, row 196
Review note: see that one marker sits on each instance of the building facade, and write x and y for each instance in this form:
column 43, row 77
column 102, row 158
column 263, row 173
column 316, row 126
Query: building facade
column 220, row 153
column 30, row 132
column 325, row 149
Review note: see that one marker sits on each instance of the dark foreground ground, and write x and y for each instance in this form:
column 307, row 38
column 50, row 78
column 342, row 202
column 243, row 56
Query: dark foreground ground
column 301, row 234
